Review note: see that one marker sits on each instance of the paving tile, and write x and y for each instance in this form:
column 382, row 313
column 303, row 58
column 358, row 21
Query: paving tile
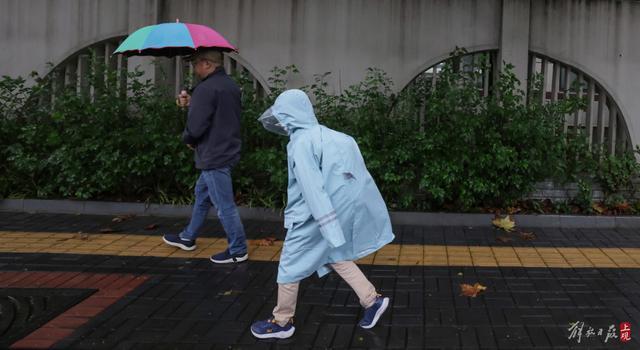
column 194, row 303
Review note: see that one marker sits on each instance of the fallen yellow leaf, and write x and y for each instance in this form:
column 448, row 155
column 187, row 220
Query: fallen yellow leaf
column 504, row 223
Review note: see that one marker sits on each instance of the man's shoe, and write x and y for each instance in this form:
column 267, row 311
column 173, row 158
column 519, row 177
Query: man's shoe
column 176, row 241
column 373, row 313
column 226, row 258
column 270, row 329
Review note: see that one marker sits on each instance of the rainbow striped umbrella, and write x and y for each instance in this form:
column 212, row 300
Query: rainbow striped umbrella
column 172, row 39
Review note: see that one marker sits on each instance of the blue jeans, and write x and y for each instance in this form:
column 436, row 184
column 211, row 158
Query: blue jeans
column 214, row 187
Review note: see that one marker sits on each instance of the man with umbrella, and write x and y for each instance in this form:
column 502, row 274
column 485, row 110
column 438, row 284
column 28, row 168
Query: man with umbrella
column 212, row 130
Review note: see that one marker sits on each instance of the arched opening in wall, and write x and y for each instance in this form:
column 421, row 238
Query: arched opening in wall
column 89, row 70
column 482, row 62
column 602, row 122
column 177, row 74
column 482, row 65
column 82, row 69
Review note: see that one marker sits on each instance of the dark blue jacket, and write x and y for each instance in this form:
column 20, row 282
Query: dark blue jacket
column 213, row 125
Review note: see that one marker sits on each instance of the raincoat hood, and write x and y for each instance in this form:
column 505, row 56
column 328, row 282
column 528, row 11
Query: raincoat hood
column 293, row 109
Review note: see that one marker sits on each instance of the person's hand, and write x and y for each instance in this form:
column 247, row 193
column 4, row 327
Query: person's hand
column 191, row 147
column 183, row 99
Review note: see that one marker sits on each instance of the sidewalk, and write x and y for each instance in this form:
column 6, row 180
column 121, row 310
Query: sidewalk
column 123, row 288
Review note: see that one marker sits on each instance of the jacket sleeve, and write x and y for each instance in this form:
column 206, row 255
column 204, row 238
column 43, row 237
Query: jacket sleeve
column 201, row 112
column 308, row 175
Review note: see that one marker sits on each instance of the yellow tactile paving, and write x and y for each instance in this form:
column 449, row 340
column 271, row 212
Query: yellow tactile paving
column 392, row 254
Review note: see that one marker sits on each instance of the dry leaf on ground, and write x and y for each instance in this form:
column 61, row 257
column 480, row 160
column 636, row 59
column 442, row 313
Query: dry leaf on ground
column 108, row 230
column 121, row 218
column 528, row 236
column 599, row 208
column 513, row 210
column 504, row 223
column 503, row 239
column 81, row 235
column 471, row 290
column 267, row 241
column 624, row 206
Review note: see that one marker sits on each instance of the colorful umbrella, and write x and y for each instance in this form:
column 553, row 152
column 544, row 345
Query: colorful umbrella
column 172, row 39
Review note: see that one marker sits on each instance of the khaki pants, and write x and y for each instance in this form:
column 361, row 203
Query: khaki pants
column 348, row 270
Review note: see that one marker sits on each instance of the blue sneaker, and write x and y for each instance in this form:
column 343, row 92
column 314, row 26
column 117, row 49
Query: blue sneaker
column 176, row 241
column 270, row 329
column 226, row 257
column 373, row 313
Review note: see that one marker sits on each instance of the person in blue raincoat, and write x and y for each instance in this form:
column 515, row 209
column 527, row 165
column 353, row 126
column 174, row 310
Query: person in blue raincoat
column 334, row 215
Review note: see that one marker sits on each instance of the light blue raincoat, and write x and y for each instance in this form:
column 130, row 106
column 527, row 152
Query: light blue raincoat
column 334, row 210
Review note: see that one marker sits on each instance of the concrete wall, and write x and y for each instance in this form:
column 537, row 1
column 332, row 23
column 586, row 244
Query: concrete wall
column 34, row 32
column 344, row 37
column 402, row 37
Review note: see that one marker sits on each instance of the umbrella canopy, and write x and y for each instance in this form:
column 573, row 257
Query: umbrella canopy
column 172, row 39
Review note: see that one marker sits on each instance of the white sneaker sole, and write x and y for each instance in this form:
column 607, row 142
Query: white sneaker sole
column 179, row 245
column 232, row 260
column 381, row 310
column 279, row 335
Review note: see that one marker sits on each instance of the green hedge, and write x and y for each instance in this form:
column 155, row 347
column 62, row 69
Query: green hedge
column 428, row 149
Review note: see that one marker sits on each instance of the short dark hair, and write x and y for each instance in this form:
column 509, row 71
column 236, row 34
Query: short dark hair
column 212, row 55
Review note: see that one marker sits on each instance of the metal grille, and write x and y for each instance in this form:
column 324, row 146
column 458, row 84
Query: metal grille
column 602, row 123
column 174, row 73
